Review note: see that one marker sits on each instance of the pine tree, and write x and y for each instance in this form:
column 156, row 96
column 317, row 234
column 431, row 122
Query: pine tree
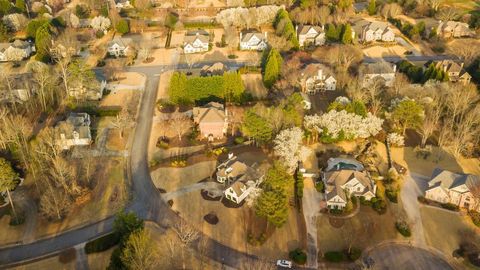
column 372, row 7
column 8, row 178
column 272, row 68
column 257, row 128
column 347, row 34
column 42, row 42
column 331, row 33
column 122, row 27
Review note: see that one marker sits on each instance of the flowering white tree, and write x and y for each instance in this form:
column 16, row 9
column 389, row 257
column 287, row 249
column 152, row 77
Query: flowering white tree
column 252, row 197
column 352, row 126
column 342, row 100
column 288, row 146
column 15, row 54
column 242, row 17
column 100, row 23
column 395, row 139
column 15, row 22
column 74, row 21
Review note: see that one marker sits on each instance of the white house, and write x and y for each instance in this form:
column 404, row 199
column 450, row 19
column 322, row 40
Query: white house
column 119, row 46
column 318, row 78
column 75, row 131
column 344, row 178
column 239, row 178
column 254, row 41
column 119, row 4
column 311, row 35
column 22, row 88
column 459, row 189
column 374, row 31
column 15, row 51
column 382, row 71
column 196, row 41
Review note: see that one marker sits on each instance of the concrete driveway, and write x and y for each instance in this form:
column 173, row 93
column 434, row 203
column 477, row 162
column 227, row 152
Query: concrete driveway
column 311, row 208
column 399, row 256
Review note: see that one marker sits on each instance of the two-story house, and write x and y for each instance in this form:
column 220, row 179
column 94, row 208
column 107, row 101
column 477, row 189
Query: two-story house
column 374, row 31
column 75, row 131
column 453, row 29
column 459, row 189
column 196, row 41
column 238, row 177
column 15, row 51
column 309, row 35
column 212, row 120
column 91, row 90
column 253, row 41
column 378, row 71
column 317, row 78
column 343, row 178
column 119, row 46
column 454, row 70
column 21, row 88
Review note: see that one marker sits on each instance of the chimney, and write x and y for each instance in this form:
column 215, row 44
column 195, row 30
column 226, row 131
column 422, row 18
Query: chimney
column 296, row 29
column 323, row 27
column 394, row 68
column 266, row 35
column 320, row 74
column 197, row 34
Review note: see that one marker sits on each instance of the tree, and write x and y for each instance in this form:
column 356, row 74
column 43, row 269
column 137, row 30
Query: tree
column 100, row 23
column 273, row 205
column 122, row 121
column 20, row 5
column 391, row 10
column 186, row 234
column 3, row 32
column 257, row 127
column 15, row 22
column 122, row 27
column 347, row 34
column 126, row 224
column 43, row 39
column 233, row 86
column 433, row 113
column 272, row 67
column 288, row 146
column 140, row 252
column 372, row 7
column 33, row 25
column 8, row 180
column 407, row 114
column 179, row 123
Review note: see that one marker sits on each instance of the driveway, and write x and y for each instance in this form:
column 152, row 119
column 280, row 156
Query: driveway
column 311, row 208
column 413, row 187
column 407, row 45
column 400, row 256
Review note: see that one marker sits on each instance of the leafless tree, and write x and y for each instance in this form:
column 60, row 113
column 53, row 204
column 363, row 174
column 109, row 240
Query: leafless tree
column 431, row 121
column 186, row 234
column 466, row 132
column 54, row 203
column 341, row 57
column 44, row 80
column 435, row 4
column 113, row 68
column 374, row 92
column 447, row 14
column 179, row 123
column 122, row 121
column 63, row 175
column 391, row 10
column 355, row 91
column 140, row 252
column 467, row 49
column 257, row 264
column 279, row 42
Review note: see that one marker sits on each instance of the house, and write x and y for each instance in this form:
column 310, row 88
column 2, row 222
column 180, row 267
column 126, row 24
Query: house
column 216, row 69
column 239, row 179
column 212, row 120
column 15, row 51
column 196, row 41
column 75, row 131
column 119, row 46
column 383, row 71
column 459, row 189
column 343, row 178
column 454, row 70
column 310, row 35
column 374, row 31
column 452, row 29
column 253, row 41
column 119, row 4
column 21, row 89
column 92, row 90
column 317, row 78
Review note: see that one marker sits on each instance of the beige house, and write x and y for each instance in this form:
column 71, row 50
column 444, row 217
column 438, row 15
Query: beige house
column 15, row 51
column 75, row 131
column 343, row 178
column 239, row 179
column 374, row 31
column 382, row 71
column 253, row 41
column 212, row 120
column 318, row 78
column 455, row 71
column 217, row 68
column 459, row 189
column 310, row 35
column 196, row 41
column 453, row 29
column 22, row 88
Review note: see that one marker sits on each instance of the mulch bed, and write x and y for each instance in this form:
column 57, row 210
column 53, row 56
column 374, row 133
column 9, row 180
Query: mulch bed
column 229, row 204
column 205, row 196
column 211, row 218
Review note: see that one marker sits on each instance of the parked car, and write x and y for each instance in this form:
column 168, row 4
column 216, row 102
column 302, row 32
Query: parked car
column 284, row 263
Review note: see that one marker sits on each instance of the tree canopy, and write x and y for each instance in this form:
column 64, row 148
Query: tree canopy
column 407, row 114
column 122, row 27
column 8, row 177
column 272, row 67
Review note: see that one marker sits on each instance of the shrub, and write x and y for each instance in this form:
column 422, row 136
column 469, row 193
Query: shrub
column 232, row 56
column 475, row 216
column 239, row 140
column 162, row 142
column 67, row 256
column 392, row 195
column 178, row 163
column 319, row 186
column 103, row 243
column 403, row 228
column 17, row 221
column 354, row 254
column 298, row 256
column 380, row 206
column 449, row 206
column 422, row 199
column 334, row 256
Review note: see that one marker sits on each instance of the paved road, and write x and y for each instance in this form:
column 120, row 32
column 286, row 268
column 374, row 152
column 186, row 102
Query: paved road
column 401, row 257
column 311, row 208
column 407, row 45
column 412, row 58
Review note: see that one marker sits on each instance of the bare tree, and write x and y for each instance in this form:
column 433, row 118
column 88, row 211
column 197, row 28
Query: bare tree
column 179, row 123
column 435, row 4
column 431, row 121
column 391, row 10
column 374, row 92
column 113, row 68
column 467, row 49
column 447, row 14
column 122, row 121
column 54, row 203
column 257, row 264
column 466, row 132
column 186, row 234
column 342, row 56
column 140, row 252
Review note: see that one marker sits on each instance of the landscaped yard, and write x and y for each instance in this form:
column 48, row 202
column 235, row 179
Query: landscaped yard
column 365, row 229
column 445, row 230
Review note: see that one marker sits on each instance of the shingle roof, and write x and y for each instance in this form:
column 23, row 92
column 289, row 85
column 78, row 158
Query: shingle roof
column 378, row 68
column 123, row 42
column 302, row 30
column 213, row 112
column 247, row 36
column 449, row 180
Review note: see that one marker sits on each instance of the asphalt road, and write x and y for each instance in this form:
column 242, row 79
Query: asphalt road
column 411, row 58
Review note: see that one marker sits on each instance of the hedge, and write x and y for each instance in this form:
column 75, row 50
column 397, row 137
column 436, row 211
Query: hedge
column 298, row 256
column 103, row 243
column 403, row 228
column 475, row 216
column 334, row 256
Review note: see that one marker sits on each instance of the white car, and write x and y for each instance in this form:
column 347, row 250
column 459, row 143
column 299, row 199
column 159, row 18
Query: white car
column 284, row 263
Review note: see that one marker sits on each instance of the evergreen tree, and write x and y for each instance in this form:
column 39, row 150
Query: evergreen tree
column 3, row 32
column 233, row 86
column 332, row 33
column 43, row 40
column 257, row 128
column 372, row 7
column 407, row 114
column 122, row 27
column 33, row 26
column 273, row 206
column 347, row 34
column 20, row 5
column 272, row 68
column 8, row 180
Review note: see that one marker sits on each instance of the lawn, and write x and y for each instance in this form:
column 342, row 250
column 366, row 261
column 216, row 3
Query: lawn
column 171, row 179
column 445, row 230
column 10, row 234
column 254, row 85
column 466, row 5
column 365, row 229
column 52, row 263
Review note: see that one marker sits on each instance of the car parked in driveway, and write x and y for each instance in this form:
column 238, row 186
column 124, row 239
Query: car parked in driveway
column 284, row 263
